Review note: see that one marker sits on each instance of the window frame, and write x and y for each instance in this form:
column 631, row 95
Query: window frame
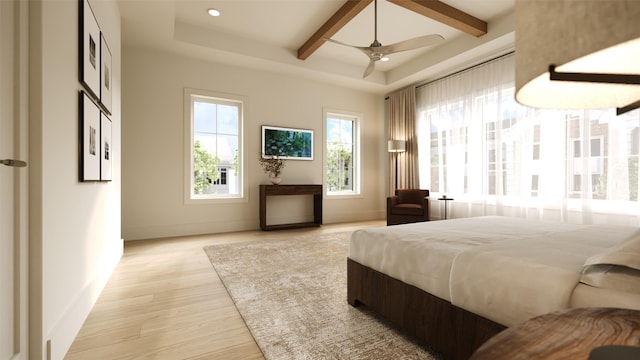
column 188, row 146
column 356, row 118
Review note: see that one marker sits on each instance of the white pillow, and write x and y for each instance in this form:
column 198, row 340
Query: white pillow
column 627, row 253
column 616, row 268
column 615, row 277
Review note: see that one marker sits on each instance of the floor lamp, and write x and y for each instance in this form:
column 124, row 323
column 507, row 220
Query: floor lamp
column 394, row 147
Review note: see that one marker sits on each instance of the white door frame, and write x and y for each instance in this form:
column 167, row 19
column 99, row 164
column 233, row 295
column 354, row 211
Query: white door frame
column 14, row 227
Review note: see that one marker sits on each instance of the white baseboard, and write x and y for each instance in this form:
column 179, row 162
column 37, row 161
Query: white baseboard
column 61, row 336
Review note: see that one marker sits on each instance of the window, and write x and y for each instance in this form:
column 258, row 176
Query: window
column 503, row 158
column 342, row 167
column 213, row 146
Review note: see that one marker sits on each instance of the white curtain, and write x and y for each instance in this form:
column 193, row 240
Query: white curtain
column 495, row 157
column 402, row 126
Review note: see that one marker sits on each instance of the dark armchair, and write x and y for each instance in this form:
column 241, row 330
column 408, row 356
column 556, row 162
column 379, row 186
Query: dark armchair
column 408, row 206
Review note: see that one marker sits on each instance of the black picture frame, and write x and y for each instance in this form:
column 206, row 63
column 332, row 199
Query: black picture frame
column 287, row 143
column 106, row 75
column 90, row 57
column 106, row 149
column 89, row 139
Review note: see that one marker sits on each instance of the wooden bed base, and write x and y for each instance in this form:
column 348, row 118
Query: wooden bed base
column 454, row 332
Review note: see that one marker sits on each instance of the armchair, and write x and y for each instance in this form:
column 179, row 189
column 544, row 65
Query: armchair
column 408, row 206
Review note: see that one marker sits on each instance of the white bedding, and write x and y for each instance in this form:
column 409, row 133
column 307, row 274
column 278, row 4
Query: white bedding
column 505, row 269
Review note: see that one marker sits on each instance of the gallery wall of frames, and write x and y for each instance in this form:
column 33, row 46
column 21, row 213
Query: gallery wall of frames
column 95, row 99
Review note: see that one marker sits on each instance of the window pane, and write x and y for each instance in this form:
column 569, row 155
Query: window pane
column 204, row 117
column 595, row 147
column 228, row 119
column 341, row 154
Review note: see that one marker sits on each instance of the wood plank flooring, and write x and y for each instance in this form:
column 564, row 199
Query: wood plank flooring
column 165, row 301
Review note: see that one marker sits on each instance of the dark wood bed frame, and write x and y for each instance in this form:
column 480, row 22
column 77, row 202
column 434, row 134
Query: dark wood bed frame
column 454, row 332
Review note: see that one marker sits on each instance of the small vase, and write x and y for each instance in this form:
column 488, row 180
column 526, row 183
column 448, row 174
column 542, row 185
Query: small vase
column 275, row 180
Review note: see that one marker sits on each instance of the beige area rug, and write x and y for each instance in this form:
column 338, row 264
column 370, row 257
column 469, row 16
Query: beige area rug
column 292, row 295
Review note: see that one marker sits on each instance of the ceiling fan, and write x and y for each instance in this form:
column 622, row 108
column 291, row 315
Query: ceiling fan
column 376, row 51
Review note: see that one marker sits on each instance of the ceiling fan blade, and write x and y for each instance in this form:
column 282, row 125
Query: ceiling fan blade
column 422, row 41
column 364, row 49
column 345, row 44
column 369, row 69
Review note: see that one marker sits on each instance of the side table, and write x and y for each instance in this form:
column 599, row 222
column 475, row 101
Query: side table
column 566, row 334
column 304, row 189
column 445, row 199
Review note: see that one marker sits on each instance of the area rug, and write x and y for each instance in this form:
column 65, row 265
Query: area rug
column 292, row 294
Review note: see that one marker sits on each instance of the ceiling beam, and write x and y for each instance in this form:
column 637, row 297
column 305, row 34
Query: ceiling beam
column 448, row 15
column 347, row 12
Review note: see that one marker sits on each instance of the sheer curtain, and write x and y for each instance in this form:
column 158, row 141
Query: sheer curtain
column 495, row 157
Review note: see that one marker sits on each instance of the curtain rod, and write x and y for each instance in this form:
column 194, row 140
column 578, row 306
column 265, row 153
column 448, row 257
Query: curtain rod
column 466, row 69
column 460, row 71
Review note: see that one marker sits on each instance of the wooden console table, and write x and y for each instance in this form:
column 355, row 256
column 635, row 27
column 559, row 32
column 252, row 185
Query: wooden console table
column 274, row 190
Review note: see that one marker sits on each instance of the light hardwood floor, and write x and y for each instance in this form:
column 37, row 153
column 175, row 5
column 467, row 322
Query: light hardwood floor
column 165, row 301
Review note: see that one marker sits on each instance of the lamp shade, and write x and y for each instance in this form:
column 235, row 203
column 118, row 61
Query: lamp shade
column 584, row 36
column 396, row 145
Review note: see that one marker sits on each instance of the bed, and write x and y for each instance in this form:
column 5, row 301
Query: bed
column 454, row 284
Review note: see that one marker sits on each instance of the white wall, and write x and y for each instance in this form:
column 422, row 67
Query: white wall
column 75, row 227
column 152, row 165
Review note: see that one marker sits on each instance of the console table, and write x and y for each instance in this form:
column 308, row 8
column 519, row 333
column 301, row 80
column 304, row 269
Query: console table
column 275, row 190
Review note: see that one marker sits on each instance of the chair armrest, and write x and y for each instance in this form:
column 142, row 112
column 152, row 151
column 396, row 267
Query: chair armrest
column 425, row 206
column 392, row 201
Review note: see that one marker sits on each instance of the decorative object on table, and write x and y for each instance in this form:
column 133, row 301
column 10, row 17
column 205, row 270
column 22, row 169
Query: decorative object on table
column 287, row 143
column 89, row 139
column 395, row 147
column 106, row 149
column 90, row 56
column 273, row 165
column 105, row 75
column 618, row 352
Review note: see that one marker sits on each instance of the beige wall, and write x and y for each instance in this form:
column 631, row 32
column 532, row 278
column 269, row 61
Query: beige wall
column 75, row 240
column 152, row 175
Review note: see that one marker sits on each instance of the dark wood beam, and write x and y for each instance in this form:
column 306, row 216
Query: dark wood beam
column 448, row 15
column 347, row 12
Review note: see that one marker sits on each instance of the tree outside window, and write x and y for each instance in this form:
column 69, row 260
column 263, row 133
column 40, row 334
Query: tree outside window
column 205, row 169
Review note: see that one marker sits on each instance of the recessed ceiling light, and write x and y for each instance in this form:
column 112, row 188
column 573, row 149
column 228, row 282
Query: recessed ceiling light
column 213, row 12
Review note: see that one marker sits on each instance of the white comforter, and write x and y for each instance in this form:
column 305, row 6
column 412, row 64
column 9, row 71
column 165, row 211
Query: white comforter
column 505, row 269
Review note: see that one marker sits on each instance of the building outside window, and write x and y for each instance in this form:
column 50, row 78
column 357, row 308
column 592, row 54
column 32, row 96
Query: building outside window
column 341, row 153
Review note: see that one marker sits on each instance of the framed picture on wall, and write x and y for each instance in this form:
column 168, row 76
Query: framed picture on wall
column 106, row 149
column 287, row 143
column 105, row 75
column 89, row 139
column 89, row 50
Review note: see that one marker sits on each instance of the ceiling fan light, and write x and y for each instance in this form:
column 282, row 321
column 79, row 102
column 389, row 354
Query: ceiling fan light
column 591, row 37
column 385, row 58
column 213, row 12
